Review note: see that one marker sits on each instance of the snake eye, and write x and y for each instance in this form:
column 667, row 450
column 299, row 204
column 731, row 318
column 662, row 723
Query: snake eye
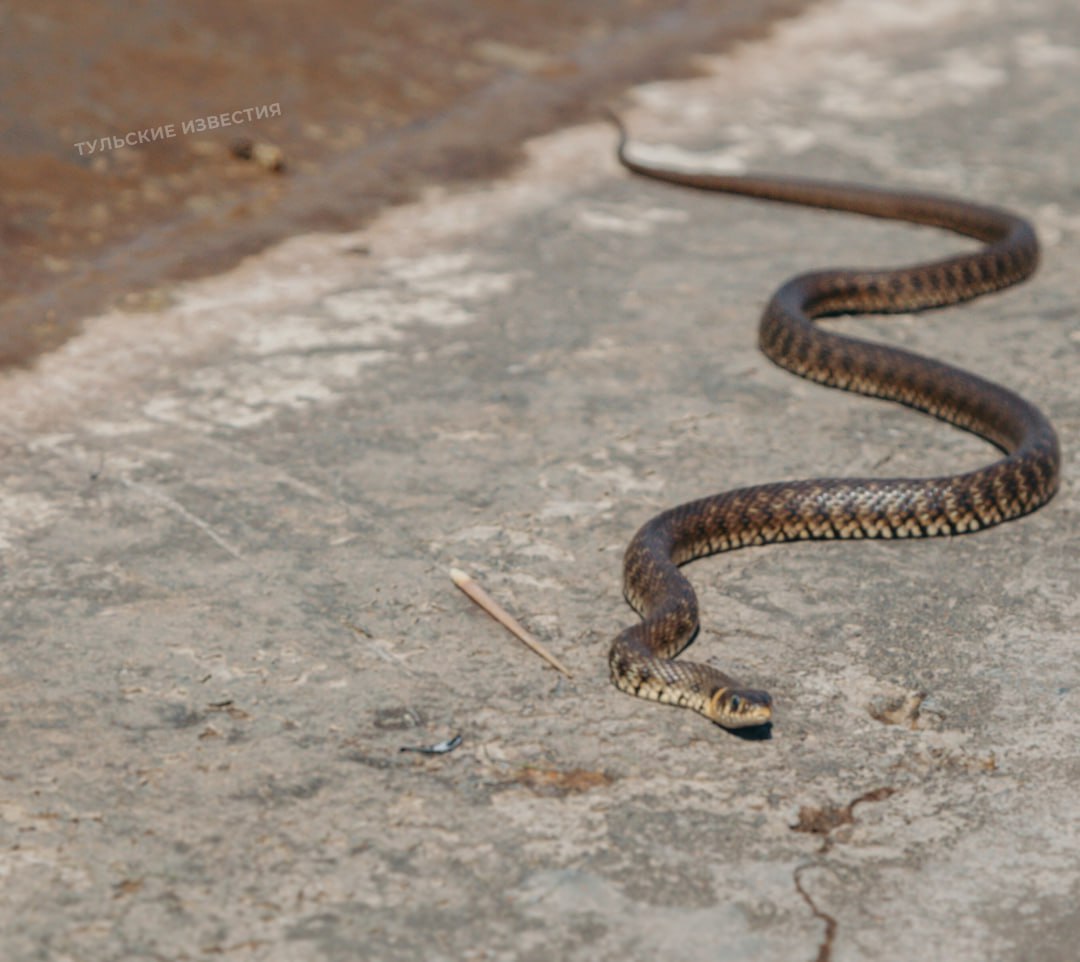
column 735, row 703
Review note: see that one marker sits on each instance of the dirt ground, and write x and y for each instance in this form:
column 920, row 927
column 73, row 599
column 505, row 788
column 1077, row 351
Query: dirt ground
column 227, row 522
column 376, row 101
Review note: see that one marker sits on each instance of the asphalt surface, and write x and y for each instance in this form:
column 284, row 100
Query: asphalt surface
column 227, row 526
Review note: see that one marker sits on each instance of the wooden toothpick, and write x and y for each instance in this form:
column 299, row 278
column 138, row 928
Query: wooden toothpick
column 480, row 597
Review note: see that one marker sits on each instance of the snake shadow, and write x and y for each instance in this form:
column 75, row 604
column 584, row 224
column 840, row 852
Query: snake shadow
column 756, row 733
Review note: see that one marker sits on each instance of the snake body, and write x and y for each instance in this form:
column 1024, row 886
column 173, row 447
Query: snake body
column 642, row 658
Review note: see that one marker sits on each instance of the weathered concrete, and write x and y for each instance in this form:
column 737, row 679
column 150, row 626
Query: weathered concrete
column 227, row 528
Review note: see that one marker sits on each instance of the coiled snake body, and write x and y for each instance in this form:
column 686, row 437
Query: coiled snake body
column 642, row 658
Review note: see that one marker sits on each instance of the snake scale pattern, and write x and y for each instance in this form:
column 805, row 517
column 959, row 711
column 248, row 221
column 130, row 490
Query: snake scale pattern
column 643, row 657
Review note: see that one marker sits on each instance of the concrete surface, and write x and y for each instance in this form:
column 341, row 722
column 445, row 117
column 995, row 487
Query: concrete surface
column 227, row 527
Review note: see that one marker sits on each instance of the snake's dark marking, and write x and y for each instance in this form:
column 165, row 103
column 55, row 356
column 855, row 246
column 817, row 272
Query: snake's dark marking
column 642, row 657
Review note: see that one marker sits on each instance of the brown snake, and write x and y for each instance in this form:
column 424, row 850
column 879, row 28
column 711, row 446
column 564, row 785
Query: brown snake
column 642, row 657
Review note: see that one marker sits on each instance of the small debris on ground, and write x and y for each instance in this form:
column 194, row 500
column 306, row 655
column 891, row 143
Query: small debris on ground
column 440, row 749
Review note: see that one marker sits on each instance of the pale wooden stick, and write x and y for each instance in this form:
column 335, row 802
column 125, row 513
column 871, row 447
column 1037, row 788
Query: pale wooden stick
column 503, row 617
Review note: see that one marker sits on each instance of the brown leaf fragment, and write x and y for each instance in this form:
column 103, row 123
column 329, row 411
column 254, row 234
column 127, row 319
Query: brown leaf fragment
column 559, row 783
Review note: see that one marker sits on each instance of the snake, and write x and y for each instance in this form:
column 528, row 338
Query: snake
column 642, row 658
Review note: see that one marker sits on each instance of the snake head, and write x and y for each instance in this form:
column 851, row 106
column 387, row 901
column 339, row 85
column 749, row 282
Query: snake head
column 740, row 707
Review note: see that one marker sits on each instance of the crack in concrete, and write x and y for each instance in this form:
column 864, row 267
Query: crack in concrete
column 822, row 821
column 825, row 948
